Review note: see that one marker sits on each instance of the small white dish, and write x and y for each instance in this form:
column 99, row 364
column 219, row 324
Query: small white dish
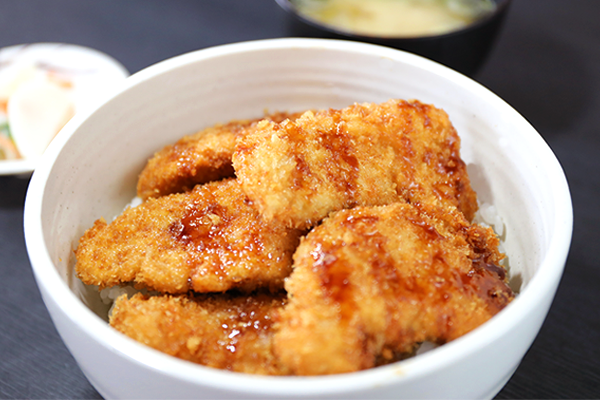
column 88, row 77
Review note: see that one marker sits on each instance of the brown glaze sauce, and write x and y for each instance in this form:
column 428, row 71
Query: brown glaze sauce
column 382, row 265
column 335, row 277
column 200, row 225
column 241, row 327
column 295, row 136
column 343, row 165
column 426, row 231
column 254, row 317
column 201, row 231
column 486, row 281
column 400, row 141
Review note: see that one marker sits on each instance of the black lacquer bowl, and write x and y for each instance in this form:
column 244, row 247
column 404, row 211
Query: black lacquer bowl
column 464, row 50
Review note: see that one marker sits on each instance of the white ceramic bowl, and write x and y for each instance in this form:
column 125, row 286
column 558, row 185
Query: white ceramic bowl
column 90, row 170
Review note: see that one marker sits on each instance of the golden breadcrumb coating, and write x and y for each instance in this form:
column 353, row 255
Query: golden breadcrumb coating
column 231, row 332
column 389, row 260
column 297, row 172
column 206, row 240
column 375, row 282
column 194, row 159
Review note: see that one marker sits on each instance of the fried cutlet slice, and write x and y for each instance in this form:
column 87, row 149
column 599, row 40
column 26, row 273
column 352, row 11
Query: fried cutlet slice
column 231, row 332
column 206, row 240
column 195, row 159
column 299, row 171
column 375, row 282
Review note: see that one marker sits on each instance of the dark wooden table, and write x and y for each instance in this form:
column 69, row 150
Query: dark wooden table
column 546, row 64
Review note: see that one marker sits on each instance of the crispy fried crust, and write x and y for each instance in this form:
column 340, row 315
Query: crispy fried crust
column 195, row 159
column 297, row 172
column 374, row 282
column 206, row 240
column 391, row 260
column 231, row 332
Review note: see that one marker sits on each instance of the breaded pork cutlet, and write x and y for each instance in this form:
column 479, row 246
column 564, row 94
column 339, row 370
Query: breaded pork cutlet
column 374, row 282
column 206, row 240
column 231, row 332
column 195, row 159
column 297, row 172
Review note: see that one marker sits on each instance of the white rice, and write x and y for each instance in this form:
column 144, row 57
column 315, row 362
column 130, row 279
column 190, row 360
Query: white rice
column 487, row 215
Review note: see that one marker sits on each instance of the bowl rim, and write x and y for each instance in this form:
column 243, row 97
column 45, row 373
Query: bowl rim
column 501, row 8
column 54, row 289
